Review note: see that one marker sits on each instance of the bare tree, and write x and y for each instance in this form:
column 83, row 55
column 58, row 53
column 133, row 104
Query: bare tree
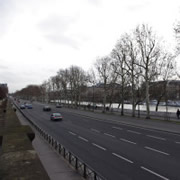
column 102, row 66
column 119, row 56
column 133, row 69
column 78, row 80
column 167, row 72
column 149, row 54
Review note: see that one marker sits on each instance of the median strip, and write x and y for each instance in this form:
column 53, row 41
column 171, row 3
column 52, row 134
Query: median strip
column 152, row 149
column 121, row 157
column 152, row 172
column 98, row 146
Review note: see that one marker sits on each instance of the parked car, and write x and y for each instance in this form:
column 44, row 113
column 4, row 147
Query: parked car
column 29, row 106
column 46, row 108
column 56, row 116
column 58, row 105
column 22, row 106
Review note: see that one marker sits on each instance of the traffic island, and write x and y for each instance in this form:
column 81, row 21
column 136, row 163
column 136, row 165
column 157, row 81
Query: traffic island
column 18, row 159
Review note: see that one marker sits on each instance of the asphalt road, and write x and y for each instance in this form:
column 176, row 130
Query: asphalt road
column 116, row 151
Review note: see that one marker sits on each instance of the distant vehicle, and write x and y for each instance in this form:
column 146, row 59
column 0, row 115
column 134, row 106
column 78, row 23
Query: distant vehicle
column 56, row 116
column 58, row 105
column 29, row 106
column 46, row 108
column 22, row 106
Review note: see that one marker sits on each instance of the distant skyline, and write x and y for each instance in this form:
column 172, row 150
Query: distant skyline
column 39, row 37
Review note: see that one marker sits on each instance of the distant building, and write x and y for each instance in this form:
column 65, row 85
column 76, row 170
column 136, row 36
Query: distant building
column 170, row 89
column 3, row 90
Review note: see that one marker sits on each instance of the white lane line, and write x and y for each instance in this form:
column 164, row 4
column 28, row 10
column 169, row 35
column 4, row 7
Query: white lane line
column 135, row 132
column 125, row 140
column 152, row 172
column 109, row 135
column 155, row 137
column 152, row 149
column 121, row 157
column 84, row 139
column 95, row 130
column 72, row 133
column 98, row 146
column 177, row 142
column 117, row 128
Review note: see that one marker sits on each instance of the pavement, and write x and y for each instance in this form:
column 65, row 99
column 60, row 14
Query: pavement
column 56, row 167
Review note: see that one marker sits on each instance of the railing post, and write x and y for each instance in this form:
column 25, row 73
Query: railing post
column 76, row 163
column 64, row 153
column 70, row 157
column 84, row 171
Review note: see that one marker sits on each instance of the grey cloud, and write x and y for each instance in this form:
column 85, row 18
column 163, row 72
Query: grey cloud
column 62, row 40
column 138, row 6
column 6, row 8
column 56, row 23
column 55, row 28
column 94, row 2
column 3, row 67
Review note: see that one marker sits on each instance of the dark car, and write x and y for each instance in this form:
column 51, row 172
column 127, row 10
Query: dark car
column 56, row 116
column 29, row 106
column 22, row 106
column 46, row 108
column 58, row 106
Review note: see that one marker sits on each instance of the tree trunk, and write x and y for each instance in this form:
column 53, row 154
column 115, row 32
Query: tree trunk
column 147, row 100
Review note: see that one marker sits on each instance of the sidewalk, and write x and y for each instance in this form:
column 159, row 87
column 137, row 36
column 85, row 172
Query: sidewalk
column 56, row 167
column 156, row 123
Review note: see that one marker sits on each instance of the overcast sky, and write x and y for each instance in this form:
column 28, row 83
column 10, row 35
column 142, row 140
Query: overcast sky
column 38, row 37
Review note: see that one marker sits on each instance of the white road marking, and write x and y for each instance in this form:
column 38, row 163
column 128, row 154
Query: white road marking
column 121, row 157
column 152, row 149
column 100, row 147
column 109, row 135
column 155, row 137
column 125, row 140
column 177, row 142
column 135, row 132
column 72, row 133
column 117, row 128
column 95, row 130
column 152, row 172
column 84, row 139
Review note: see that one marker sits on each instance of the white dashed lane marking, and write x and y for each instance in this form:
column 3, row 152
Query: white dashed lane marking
column 84, row 139
column 72, row 133
column 121, row 157
column 117, row 128
column 98, row 146
column 135, row 132
column 155, row 137
column 125, row 140
column 152, row 149
column 152, row 172
column 110, row 135
column 95, row 130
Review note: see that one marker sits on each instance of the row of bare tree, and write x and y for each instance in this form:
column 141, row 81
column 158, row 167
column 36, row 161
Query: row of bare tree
column 138, row 59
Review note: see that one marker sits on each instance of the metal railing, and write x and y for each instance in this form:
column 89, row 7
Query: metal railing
column 79, row 165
